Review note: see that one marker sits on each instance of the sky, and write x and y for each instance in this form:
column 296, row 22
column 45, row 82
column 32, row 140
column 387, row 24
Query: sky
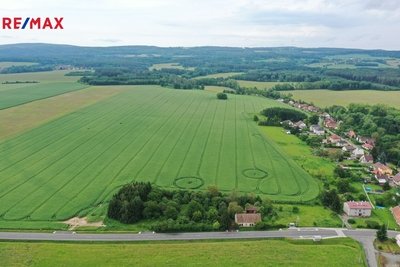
column 368, row 24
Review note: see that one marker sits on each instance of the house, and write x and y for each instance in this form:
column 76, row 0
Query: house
column 366, row 140
column 357, row 208
column 357, row 153
column 396, row 179
column 367, row 159
column 380, row 168
column 351, row 134
column 334, row 138
column 348, row 148
column 287, row 122
column 248, row 219
column 300, row 124
column 382, row 178
column 396, row 214
column 330, row 123
column 367, row 146
column 341, row 143
column 316, row 129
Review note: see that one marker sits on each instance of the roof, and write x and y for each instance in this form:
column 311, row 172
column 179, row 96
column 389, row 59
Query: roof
column 247, row 218
column 396, row 213
column 359, row 205
column 317, row 128
column 382, row 166
column 368, row 158
column 335, row 136
column 396, row 178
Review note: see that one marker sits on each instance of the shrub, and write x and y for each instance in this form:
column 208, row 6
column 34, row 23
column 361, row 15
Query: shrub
column 372, row 224
column 222, row 96
column 295, row 209
column 351, row 221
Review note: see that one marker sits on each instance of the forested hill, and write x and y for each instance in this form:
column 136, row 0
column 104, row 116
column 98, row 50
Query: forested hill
column 303, row 68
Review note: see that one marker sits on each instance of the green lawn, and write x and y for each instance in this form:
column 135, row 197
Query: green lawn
column 324, row 98
column 307, row 216
column 172, row 138
column 334, row 252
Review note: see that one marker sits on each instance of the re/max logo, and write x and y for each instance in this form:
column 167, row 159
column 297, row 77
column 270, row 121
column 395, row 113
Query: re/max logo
column 18, row 23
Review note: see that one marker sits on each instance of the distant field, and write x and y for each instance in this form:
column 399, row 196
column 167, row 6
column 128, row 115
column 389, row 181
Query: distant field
column 42, row 77
column 6, row 64
column 342, row 252
column 173, row 138
column 216, row 89
column 259, row 85
column 23, row 117
column 324, row 98
column 21, row 95
column 219, row 75
column 169, row 66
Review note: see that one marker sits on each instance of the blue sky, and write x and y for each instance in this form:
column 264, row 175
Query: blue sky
column 307, row 23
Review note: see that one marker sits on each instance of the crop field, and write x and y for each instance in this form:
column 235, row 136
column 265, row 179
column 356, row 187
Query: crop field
column 6, row 64
column 169, row 66
column 259, row 85
column 172, row 138
column 324, row 98
column 51, row 83
column 184, row 253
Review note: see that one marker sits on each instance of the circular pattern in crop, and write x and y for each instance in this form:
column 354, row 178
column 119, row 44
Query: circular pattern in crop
column 189, row 182
column 255, row 173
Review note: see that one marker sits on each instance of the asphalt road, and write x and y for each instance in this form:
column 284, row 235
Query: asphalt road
column 366, row 237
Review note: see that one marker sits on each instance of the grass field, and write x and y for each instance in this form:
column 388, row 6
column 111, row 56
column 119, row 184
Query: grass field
column 172, row 138
column 259, row 85
column 341, row 252
column 216, row 89
column 324, row 98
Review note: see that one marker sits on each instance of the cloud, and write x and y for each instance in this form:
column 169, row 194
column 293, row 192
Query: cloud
column 311, row 23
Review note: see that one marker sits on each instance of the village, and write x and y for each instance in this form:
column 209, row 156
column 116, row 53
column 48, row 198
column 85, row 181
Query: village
column 354, row 154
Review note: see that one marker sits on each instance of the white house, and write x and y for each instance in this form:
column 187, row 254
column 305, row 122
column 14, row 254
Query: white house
column 357, row 153
column 316, row 129
column 357, row 208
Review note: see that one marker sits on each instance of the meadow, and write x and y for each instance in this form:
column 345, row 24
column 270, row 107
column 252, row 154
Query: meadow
column 172, row 138
column 219, row 75
column 325, row 98
column 184, row 253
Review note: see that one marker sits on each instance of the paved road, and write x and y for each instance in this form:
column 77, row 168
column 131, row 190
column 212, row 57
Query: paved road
column 69, row 236
column 366, row 237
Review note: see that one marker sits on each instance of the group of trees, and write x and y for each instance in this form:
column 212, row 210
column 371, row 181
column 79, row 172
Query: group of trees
column 276, row 115
column 377, row 121
column 182, row 210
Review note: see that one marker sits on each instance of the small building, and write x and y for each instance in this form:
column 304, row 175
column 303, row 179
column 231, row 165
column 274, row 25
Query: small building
column 300, row 124
column 367, row 146
column 351, row 134
column 334, row 138
column 396, row 214
column 287, row 122
column 357, row 153
column 367, row 159
column 341, row 143
column 316, row 129
column 380, row 168
column 348, row 148
column 330, row 123
column 247, row 219
column 396, row 179
column 357, row 208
